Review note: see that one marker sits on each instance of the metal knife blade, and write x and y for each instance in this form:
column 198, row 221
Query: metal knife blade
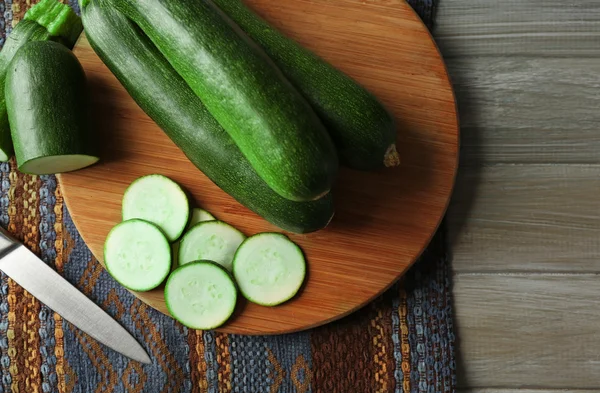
column 49, row 287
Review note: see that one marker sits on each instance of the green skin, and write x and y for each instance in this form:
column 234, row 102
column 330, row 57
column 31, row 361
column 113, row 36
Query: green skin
column 47, row 20
column 168, row 100
column 360, row 126
column 42, row 74
column 272, row 124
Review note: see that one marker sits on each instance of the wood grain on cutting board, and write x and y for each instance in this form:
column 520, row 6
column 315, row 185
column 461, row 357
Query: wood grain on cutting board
column 383, row 219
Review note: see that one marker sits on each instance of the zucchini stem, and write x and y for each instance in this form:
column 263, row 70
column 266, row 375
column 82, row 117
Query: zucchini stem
column 59, row 19
column 391, row 158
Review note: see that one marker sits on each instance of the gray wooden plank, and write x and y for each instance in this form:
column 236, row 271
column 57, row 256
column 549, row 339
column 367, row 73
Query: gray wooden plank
column 528, row 109
column 516, row 27
column 528, row 331
column 526, row 218
column 517, row 390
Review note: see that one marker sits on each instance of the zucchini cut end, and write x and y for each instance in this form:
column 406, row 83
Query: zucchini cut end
column 57, row 164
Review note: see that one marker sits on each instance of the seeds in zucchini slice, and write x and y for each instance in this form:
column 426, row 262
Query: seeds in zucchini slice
column 137, row 254
column 200, row 295
column 159, row 200
column 213, row 240
column 269, row 268
column 197, row 215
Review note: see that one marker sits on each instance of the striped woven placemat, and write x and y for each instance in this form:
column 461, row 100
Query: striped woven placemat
column 402, row 342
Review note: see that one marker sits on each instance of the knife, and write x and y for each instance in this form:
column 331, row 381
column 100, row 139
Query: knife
column 49, row 287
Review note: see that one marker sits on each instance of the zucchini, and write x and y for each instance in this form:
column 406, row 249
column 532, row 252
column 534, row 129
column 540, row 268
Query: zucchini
column 46, row 104
column 199, row 215
column 216, row 241
column 137, row 255
column 159, row 200
column 201, row 295
column 272, row 124
column 47, row 20
column 168, row 100
column 362, row 129
column 269, row 269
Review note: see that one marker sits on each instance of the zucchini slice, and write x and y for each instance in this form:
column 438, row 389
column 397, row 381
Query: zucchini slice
column 200, row 295
column 269, row 268
column 199, row 215
column 137, row 254
column 159, row 200
column 213, row 240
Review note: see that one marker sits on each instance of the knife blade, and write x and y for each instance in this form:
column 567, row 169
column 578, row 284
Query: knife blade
column 50, row 288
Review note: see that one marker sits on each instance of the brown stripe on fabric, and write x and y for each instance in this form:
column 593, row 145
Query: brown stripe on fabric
column 99, row 359
column 301, row 366
column 277, row 374
column 158, row 347
column 70, row 378
column 18, row 9
column 90, row 276
column 223, row 362
column 14, row 227
column 134, row 368
column 343, row 355
column 197, row 363
column 59, row 262
column 112, row 299
column 383, row 347
column 16, row 300
column 31, row 238
column 404, row 343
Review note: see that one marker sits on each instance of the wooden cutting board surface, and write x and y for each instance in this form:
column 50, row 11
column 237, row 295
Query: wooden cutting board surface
column 383, row 219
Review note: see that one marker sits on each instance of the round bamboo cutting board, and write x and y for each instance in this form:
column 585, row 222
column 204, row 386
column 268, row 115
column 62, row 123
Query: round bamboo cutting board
column 383, row 219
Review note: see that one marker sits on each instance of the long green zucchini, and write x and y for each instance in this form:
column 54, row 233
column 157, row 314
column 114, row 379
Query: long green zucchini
column 47, row 20
column 272, row 124
column 362, row 129
column 168, row 100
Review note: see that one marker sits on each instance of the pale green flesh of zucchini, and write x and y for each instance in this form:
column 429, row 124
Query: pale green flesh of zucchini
column 137, row 254
column 200, row 295
column 57, row 164
column 157, row 199
column 212, row 240
column 269, row 269
column 199, row 215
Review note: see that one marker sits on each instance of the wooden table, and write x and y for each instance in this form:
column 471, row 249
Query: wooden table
column 525, row 219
